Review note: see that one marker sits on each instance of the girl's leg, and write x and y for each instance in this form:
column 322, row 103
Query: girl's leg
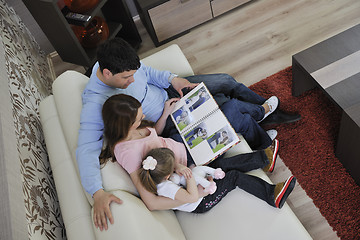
column 251, row 184
column 241, row 162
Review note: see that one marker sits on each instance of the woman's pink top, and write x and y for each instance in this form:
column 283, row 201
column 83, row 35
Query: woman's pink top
column 130, row 154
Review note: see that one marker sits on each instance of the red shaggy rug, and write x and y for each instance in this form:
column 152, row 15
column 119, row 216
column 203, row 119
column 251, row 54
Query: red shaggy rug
column 307, row 149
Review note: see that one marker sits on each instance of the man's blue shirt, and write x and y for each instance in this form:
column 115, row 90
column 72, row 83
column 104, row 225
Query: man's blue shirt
column 148, row 88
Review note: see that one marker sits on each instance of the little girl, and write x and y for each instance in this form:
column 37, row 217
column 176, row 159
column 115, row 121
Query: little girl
column 155, row 172
column 128, row 139
column 158, row 166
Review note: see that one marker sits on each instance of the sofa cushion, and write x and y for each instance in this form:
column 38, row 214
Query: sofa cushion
column 242, row 214
column 134, row 221
column 239, row 212
column 114, row 177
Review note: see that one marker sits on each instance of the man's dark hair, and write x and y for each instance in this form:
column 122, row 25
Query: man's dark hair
column 118, row 56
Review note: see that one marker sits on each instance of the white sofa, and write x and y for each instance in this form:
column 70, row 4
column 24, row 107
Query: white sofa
column 238, row 216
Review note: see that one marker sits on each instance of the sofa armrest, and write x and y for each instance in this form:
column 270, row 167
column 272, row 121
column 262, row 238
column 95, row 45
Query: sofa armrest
column 132, row 220
column 171, row 59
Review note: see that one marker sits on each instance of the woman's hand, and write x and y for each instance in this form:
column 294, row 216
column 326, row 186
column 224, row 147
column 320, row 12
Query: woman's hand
column 169, row 106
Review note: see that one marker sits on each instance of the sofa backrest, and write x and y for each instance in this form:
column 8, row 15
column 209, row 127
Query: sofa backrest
column 67, row 90
column 170, row 58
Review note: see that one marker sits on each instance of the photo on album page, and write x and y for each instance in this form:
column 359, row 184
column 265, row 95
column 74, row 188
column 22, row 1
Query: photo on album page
column 196, row 135
column 220, row 139
column 197, row 99
column 182, row 117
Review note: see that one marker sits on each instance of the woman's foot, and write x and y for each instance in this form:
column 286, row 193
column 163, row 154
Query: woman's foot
column 283, row 190
column 272, row 153
column 270, row 105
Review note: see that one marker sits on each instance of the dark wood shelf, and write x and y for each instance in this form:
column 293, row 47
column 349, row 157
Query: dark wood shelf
column 54, row 24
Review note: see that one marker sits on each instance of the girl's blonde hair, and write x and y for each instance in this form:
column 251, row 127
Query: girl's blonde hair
column 165, row 165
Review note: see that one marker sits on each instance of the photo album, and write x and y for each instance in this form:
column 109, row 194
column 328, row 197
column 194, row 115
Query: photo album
column 204, row 128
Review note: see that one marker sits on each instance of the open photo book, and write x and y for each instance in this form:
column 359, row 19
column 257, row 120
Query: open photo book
column 205, row 130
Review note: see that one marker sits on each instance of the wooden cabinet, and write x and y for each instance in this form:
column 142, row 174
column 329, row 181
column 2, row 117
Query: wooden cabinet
column 221, row 6
column 174, row 17
column 167, row 19
column 55, row 26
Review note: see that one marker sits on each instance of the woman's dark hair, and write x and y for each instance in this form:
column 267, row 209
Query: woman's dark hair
column 117, row 56
column 165, row 165
column 119, row 114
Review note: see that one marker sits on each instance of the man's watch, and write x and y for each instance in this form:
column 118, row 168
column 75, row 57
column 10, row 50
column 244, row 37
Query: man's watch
column 172, row 76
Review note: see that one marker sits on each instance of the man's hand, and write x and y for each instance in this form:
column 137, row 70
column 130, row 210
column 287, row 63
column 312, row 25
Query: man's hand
column 101, row 206
column 180, row 83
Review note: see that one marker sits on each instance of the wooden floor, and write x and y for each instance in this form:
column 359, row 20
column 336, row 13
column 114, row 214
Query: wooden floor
column 253, row 42
column 257, row 40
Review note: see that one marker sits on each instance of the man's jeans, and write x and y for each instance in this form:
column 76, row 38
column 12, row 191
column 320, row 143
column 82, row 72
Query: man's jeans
column 241, row 106
column 224, row 87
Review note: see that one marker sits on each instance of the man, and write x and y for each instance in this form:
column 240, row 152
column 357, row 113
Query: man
column 119, row 70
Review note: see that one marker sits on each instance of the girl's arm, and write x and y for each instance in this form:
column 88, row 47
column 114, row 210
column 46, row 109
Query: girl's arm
column 152, row 201
column 183, row 170
column 190, row 194
column 168, row 108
